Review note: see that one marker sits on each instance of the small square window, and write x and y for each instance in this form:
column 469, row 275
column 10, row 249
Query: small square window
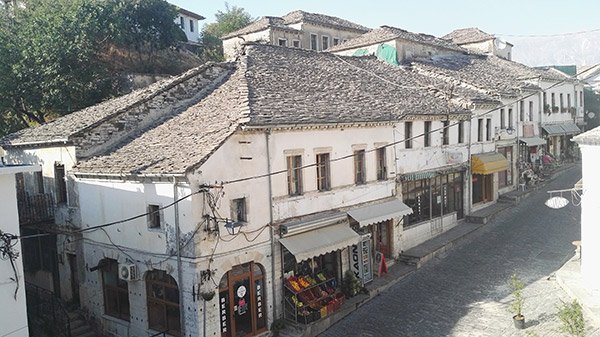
column 296, row 44
column 283, row 42
column 239, row 210
column 336, row 41
column 153, row 216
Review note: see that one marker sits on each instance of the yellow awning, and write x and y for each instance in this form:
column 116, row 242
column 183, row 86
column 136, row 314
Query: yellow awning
column 488, row 163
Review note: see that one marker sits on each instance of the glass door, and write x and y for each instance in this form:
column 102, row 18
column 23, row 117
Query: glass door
column 242, row 313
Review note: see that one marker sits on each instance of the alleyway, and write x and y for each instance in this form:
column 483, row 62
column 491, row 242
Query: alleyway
column 466, row 293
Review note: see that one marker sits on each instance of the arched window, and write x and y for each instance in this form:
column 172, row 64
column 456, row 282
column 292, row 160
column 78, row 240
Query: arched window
column 163, row 302
column 116, row 291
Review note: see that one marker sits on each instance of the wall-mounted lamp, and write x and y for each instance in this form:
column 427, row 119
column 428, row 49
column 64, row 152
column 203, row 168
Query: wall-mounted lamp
column 233, row 227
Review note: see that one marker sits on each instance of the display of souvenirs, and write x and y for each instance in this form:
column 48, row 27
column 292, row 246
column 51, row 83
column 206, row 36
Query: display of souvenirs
column 311, row 298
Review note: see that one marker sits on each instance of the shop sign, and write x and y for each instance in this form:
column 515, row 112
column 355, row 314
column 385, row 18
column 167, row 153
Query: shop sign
column 360, row 260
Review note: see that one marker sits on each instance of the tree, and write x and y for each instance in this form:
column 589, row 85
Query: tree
column 231, row 20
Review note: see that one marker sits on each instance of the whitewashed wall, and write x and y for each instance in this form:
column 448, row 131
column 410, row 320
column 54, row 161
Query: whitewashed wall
column 590, row 212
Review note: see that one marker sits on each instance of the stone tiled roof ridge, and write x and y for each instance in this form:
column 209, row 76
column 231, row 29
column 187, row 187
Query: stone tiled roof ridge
column 467, row 35
column 388, row 33
column 299, row 15
column 260, row 24
column 62, row 128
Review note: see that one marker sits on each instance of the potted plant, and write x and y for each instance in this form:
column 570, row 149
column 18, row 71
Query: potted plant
column 555, row 109
column 547, row 109
column 350, row 284
column 516, row 306
column 207, row 295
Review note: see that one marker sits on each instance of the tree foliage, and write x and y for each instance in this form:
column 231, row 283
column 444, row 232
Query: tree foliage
column 51, row 53
column 232, row 19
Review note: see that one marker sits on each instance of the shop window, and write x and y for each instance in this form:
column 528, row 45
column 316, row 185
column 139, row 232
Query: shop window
column 359, row 167
column 61, row 183
column 445, row 132
column 294, row 175
column 408, row 135
column 416, row 195
column 480, row 130
column 323, row 172
column 461, row 132
column 381, row 164
column 427, row 135
column 488, row 129
column 162, row 295
column 239, row 210
column 313, row 42
column 116, row 291
column 153, row 216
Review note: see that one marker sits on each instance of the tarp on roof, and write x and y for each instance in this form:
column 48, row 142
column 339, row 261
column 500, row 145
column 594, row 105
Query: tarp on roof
column 387, row 54
column 361, row 52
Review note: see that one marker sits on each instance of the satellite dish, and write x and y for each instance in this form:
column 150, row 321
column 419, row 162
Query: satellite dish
column 557, row 202
column 500, row 44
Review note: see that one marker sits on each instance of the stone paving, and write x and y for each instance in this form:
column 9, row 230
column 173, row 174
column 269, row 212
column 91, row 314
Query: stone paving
column 466, row 293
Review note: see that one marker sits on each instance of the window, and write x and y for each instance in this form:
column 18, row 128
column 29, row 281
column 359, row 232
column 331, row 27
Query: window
column 502, row 119
column 522, row 111
column 531, row 111
column 561, row 102
column 182, row 22
column 488, row 129
column 505, row 177
column 283, row 42
column 313, row 41
column 191, row 25
column 162, row 295
column 552, row 99
column 381, row 164
column 461, row 132
column 359, row 167
column 568, row 100
column 427, row 135
column 510, row 118
column 296, row 44
column 544, row 99
column 336, row 41
column 294, row 172
column 238, row 210
column 445, row 131
column 153, row 216
column 480, row 130
column 39, row 182
column 61, row 183
column 581, row 98
column 408, row 135
column 325, row 42
column 323, row 172
column 116, row 291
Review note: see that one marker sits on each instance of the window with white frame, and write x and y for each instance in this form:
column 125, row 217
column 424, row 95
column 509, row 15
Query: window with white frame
column 360, row 176
column 323, row 172
column 461, row 132
column 191, row 25
column 324, row 42
column 294, row 174
column 445, row 132
column 480, row 129
column 488, row 129
column 427, row 134
column 408, row 135
column 313, row 42
column 381, row 164
column 153, row 216
column 530, row 111
column 502, row 119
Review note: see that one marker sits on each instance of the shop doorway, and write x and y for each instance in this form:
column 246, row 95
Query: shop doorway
column 483, row 187
column 381, row 233
column 242, row 302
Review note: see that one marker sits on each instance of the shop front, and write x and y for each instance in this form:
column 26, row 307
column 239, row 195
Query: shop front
column 242, row 304
column 375, row 223
column 530, row 150
column 558, row 136
column 313, row 255
column 483, row 167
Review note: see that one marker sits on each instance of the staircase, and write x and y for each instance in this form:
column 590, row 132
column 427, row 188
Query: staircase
column 79, row 326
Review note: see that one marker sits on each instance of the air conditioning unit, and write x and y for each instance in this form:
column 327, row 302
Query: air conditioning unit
column 128, row 272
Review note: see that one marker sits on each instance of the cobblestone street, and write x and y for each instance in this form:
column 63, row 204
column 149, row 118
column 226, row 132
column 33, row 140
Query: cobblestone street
column 466, row 293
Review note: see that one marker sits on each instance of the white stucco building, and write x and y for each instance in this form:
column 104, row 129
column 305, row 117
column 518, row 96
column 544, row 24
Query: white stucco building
column 189, row 22
column 13, row 312
column 481, row 42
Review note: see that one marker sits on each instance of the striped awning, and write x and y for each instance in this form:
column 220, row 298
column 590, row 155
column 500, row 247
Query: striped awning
column 488, row 163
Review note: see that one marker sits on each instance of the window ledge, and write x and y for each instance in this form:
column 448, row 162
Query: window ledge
column 116, row 320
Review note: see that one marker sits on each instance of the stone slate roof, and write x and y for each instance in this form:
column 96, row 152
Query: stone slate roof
column 491, row 73
column 277, row 86
column 467, row 35
column 61, row 129
column 591, row 137
column 387, row 33
column 183, row 141
column 261, row 24
column 324, row 20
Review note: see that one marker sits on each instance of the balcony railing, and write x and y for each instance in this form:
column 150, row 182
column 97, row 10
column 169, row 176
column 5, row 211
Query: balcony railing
column 37, row 208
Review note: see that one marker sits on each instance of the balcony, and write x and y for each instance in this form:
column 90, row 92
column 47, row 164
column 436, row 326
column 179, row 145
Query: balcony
column 35, row 209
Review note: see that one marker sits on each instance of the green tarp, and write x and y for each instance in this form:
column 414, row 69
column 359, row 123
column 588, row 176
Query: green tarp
column 387, row 54
column 361, row 52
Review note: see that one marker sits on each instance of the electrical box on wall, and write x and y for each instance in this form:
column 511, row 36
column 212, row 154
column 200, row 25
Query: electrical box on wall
column 128, row 272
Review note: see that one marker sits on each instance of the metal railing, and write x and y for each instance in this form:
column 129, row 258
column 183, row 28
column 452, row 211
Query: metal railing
column 46, row 310
column 35, row 208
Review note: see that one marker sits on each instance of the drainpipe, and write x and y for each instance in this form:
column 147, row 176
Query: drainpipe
column 178, row 247
column 469, row 171
column 272, row 230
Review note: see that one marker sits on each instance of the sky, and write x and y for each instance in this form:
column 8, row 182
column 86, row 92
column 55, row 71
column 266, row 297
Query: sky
column 437, row 17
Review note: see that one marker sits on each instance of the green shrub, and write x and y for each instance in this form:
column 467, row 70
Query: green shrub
column 516, row 286
column 571, row 317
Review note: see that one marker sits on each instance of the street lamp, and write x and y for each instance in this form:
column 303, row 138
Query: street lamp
column 233, row 227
